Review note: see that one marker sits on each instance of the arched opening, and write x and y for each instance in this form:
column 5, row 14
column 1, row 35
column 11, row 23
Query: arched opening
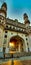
column 16, row 44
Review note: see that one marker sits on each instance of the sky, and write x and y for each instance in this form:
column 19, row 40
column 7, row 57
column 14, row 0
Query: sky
column 16, row 9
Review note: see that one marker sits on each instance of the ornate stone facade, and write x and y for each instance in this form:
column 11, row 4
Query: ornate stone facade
column 10, row 29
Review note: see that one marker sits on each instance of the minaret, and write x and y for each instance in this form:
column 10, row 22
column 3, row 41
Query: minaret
column 3, row 10
column 3, row 14
column 26, row 20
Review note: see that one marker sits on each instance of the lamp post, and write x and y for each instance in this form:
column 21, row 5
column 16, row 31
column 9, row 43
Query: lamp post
column 12, row 60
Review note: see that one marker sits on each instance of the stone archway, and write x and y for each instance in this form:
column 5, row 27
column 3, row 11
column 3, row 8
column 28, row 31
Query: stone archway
column 17, row 43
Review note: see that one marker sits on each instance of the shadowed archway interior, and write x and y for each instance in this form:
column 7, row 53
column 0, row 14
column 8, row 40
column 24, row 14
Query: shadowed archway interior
column 18, row 43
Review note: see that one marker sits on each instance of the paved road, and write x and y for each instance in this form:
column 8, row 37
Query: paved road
column 15, row 62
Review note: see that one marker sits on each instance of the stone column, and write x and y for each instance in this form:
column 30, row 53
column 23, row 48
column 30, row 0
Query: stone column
column 19, row 47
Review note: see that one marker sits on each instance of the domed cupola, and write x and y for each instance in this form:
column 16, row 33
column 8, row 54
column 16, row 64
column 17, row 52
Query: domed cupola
column 4, row 6
column 26, row 20
column 3, row 10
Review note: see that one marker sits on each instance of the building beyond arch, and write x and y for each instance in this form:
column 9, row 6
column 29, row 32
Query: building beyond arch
column 17, row 42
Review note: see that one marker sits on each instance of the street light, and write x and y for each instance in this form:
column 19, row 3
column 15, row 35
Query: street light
column 11, row 44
